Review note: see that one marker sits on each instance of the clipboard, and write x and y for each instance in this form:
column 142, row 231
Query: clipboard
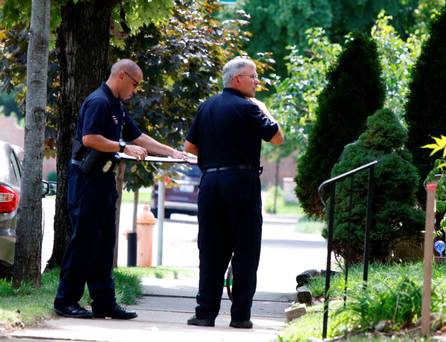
column 156, row 159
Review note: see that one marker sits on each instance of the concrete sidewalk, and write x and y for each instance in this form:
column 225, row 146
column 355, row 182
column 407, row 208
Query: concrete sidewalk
column 162, row 315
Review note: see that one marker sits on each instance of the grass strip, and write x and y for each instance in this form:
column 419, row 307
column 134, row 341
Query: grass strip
column 26, row 306
column 392, row 300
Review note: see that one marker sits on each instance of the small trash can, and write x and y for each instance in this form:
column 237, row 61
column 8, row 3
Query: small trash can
column 144, row 230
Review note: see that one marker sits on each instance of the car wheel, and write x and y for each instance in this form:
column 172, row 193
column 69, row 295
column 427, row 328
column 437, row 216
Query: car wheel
column 5, row 271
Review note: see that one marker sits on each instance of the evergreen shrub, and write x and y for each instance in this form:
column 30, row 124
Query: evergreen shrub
column 354, row 91
column 395, row 184
column 426, row 105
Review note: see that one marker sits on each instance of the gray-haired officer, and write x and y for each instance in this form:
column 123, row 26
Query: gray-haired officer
column 103, row 129
column 226, row 135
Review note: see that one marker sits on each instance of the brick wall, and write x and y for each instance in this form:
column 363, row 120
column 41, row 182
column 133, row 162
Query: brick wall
column 287, row 168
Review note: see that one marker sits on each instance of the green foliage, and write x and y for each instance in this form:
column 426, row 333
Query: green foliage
column 276, row 20
column 395, row 184
column 182, row 59
column 426, row 11
column 398, row 302
column 392, row 296
column 354, row 91
column 27, row 305
column 439, row 170
column 277, row 24
column 397, row 57
column 8, row 105
column 128, row 287
column 295, row 100
column 427, row 104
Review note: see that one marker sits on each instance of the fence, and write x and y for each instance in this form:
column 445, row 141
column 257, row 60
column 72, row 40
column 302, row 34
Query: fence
column 331, row 210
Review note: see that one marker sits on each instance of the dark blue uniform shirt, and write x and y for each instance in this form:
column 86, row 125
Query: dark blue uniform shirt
column 229, row 130
column 102, row 113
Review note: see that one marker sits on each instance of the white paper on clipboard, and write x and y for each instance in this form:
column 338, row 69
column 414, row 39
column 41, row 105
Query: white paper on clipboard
column 155, row 159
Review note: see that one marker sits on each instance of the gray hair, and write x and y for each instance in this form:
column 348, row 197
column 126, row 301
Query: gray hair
column 126, row 65
column 233, row 68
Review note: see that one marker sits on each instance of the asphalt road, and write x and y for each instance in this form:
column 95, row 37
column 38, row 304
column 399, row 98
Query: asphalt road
column 285, row 253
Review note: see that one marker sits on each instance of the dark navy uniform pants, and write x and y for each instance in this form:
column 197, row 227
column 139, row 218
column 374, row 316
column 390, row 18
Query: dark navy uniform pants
column 230, row 223
column 89, row 255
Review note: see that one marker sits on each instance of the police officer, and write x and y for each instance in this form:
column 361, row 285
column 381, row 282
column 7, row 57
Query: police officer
column 226, row 136
column 103, row 130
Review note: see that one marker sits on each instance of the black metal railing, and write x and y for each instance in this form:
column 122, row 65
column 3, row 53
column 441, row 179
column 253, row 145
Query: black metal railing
column 331, row 212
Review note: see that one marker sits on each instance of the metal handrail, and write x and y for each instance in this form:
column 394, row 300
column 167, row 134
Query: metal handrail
column 342, row 176
column 332, row 183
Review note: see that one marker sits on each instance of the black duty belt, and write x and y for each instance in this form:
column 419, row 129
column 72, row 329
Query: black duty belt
column 258, row 169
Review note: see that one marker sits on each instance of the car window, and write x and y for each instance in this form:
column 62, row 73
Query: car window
column 192, row 171
column 15, row 168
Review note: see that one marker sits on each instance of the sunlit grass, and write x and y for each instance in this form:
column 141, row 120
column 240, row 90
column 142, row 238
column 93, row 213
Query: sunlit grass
column 392, row 296
column 27, row 305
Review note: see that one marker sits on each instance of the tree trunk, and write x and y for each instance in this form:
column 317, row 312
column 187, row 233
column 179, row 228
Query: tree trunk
column 119, row 186
column 83, row 44
column 29, row 224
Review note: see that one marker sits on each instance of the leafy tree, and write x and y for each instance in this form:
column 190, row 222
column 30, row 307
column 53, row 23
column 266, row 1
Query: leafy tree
column 395, row 184
column 397, row 57
column 354, row 91
column 83, row 40
column 295, row 100
column 29, row 223
column 277, row 24
column 182, row 59
column 426, row 104
column 9, row 106
column 425, row 12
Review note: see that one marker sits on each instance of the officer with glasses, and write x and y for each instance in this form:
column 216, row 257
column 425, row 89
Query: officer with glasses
column 103, row 129
column 226, row 135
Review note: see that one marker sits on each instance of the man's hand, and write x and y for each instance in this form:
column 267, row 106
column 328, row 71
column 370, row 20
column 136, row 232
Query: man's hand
column 262, row 108
column 179, row 155
column 136, row 151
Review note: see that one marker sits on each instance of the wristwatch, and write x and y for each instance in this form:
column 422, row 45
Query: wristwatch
column 122, row 146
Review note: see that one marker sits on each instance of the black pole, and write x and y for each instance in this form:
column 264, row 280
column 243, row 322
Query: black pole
column 349, row 245
column 131, row 249
column 329, row 248
column 368, row 226
column 276, row 185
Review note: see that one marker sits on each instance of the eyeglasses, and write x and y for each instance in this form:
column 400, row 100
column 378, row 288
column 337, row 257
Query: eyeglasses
column 135, row 82
column 253, row 77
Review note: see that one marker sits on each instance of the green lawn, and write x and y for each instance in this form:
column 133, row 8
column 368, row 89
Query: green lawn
column 145, row 196
column 27, row 306
column 393, row 296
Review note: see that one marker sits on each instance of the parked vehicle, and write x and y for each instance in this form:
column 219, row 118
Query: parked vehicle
column 10, row 178
column 181, row 193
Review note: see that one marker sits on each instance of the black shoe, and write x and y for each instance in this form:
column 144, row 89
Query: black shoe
column 73, row 311
column 241, row 324
column 201, row 322
column 118, row 312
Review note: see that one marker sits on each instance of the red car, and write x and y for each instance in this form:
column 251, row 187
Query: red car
column 181, row 192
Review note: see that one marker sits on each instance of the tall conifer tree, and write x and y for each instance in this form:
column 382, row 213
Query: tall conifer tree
column 426, row 106
column 354, row 92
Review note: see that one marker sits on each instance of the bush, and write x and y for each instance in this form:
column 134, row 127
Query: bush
column 427, row 104
column 354, row 92
column 395, row 184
